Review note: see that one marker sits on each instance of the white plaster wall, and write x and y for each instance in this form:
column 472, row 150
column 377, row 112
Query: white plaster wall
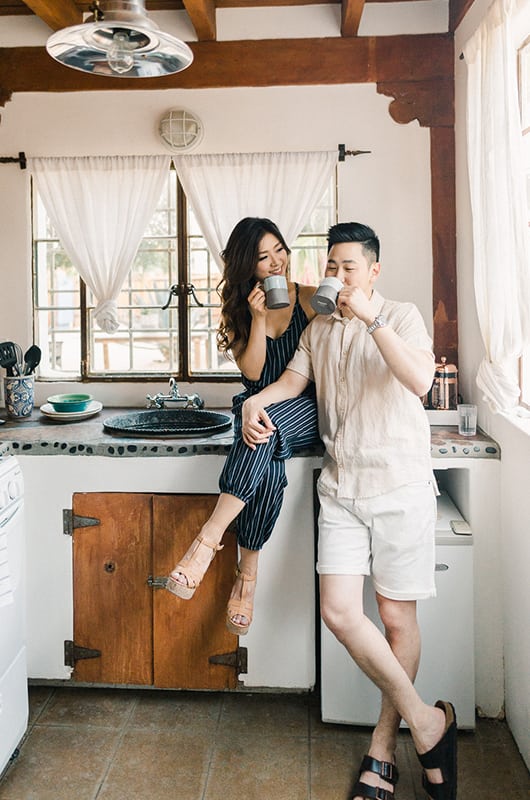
column 509, row 581
column 388, row 189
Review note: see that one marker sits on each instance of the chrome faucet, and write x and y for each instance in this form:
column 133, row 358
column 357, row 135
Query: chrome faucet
column 174, row 396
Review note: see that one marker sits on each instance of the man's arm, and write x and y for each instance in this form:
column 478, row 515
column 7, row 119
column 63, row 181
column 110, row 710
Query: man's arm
column 413, row 367
column 255, row 422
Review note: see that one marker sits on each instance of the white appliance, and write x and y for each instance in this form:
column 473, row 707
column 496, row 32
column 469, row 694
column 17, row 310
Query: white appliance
column 13, row 670
column 447, row 670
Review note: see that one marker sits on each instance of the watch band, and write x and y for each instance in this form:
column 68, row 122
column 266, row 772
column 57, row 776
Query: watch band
column 379, row 322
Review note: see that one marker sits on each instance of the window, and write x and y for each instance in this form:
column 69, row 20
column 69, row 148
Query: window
column 524, row 94
column 173, row 265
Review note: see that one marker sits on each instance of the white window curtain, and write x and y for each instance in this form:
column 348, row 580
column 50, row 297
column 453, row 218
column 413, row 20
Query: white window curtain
column 224, row 188
column 100, row 207
column 498, row 204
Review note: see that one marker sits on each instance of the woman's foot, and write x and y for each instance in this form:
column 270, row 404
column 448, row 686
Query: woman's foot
column 241, row 603
column 190, row 571
column 382, row 775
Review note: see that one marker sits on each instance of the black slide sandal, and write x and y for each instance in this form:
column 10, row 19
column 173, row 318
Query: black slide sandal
column 443, row 757
column 385, row 769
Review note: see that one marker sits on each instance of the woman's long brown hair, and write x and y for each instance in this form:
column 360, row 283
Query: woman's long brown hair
column 240, row 260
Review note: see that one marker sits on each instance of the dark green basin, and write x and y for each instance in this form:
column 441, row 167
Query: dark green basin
column 167, row 423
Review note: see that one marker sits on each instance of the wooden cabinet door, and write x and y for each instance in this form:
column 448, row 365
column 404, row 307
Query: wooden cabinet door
column 146, row 635
column 113, row 604
column 188, row 632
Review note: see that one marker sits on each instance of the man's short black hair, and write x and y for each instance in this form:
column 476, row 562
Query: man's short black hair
column 355, row 232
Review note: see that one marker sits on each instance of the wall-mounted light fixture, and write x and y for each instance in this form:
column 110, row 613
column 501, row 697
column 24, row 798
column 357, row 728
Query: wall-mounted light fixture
column 180, row 130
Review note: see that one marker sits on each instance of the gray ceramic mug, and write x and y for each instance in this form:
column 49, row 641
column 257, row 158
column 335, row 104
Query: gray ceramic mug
column 277, row 294
column 324, row 301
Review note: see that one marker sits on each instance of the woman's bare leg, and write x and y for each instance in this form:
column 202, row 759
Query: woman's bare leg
column 226, row 510
column 244, row 590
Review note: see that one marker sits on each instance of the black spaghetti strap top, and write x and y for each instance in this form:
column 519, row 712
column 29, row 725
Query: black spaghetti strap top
column 278, row 353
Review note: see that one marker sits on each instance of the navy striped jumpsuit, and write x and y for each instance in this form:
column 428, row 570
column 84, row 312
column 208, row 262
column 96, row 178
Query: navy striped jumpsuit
column 258, row 476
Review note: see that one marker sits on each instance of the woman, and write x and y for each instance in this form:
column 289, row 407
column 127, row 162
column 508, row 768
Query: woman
column 261, row 341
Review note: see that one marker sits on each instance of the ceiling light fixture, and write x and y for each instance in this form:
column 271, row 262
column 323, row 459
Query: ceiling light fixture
column 121, row 42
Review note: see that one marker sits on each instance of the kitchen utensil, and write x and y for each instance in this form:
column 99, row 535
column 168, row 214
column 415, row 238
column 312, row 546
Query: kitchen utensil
column 9, row 357
column 20, row 359
column 32, row 358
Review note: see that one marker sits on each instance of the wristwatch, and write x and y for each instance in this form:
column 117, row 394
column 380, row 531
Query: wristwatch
column 379, row 322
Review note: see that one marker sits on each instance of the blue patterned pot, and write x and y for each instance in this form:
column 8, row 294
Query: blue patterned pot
column 19, row 396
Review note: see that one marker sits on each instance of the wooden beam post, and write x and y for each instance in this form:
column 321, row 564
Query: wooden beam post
column 202, row 16
column 56, row 13
column 352, row 11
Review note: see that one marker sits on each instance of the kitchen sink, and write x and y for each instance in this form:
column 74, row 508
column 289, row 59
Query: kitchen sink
column 168, row 423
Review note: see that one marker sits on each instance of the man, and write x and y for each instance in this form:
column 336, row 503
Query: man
column 371, row 361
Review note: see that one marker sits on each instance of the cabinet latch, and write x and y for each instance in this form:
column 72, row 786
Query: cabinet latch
column 157, row 583
column 238, row 660
column 72, row 521
column 74, row 652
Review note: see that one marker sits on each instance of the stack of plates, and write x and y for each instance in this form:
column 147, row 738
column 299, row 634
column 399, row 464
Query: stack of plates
column 94, row 407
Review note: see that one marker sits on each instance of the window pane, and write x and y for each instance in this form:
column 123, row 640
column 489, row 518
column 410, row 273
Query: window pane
column 147, row 340
column 308, row 257
column 203, row 321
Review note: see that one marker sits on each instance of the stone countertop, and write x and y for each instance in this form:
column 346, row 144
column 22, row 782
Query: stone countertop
column 42, row 436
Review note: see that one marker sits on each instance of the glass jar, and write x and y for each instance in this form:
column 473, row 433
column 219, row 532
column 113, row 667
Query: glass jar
column 444, row 393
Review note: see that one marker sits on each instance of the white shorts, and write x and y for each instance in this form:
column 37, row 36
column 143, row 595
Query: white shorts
column 390, row 536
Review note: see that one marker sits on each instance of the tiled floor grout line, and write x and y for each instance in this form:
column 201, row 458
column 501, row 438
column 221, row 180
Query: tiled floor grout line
column 309, row 751
column 118, row 743
column 212, row 749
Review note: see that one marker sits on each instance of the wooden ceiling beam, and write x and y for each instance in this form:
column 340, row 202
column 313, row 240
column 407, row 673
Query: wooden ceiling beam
column 202, row 16
column 56, row 13
column 262, row 62
column 352, row 11
column 457, row 11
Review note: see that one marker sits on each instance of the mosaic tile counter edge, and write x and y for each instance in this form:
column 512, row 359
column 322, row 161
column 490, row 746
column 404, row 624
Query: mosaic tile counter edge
column 38, row 435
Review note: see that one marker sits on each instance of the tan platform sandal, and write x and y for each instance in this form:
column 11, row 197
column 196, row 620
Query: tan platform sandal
column 241, row 606
column 192, row 570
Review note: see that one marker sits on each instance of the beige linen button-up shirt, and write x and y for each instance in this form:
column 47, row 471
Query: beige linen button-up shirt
column 375, row 431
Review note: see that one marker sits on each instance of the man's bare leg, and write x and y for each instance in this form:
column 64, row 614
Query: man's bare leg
column 342, row 611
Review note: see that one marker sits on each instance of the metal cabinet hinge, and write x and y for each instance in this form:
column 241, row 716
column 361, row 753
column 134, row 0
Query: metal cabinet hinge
column 157, row 583
column 74, row 652
column 72, row 521
column 238, row 660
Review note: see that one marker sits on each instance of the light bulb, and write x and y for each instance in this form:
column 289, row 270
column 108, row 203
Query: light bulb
column 119, row 56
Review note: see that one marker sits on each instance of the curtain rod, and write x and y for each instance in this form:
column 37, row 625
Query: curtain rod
column 343, row 152
column 341, row 147
column 20, row 160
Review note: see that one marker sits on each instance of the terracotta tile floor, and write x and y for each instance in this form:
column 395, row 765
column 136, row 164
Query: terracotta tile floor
column 114, row 744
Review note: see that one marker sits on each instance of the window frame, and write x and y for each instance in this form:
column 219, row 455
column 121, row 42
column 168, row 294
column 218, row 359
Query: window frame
column 183, row 275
